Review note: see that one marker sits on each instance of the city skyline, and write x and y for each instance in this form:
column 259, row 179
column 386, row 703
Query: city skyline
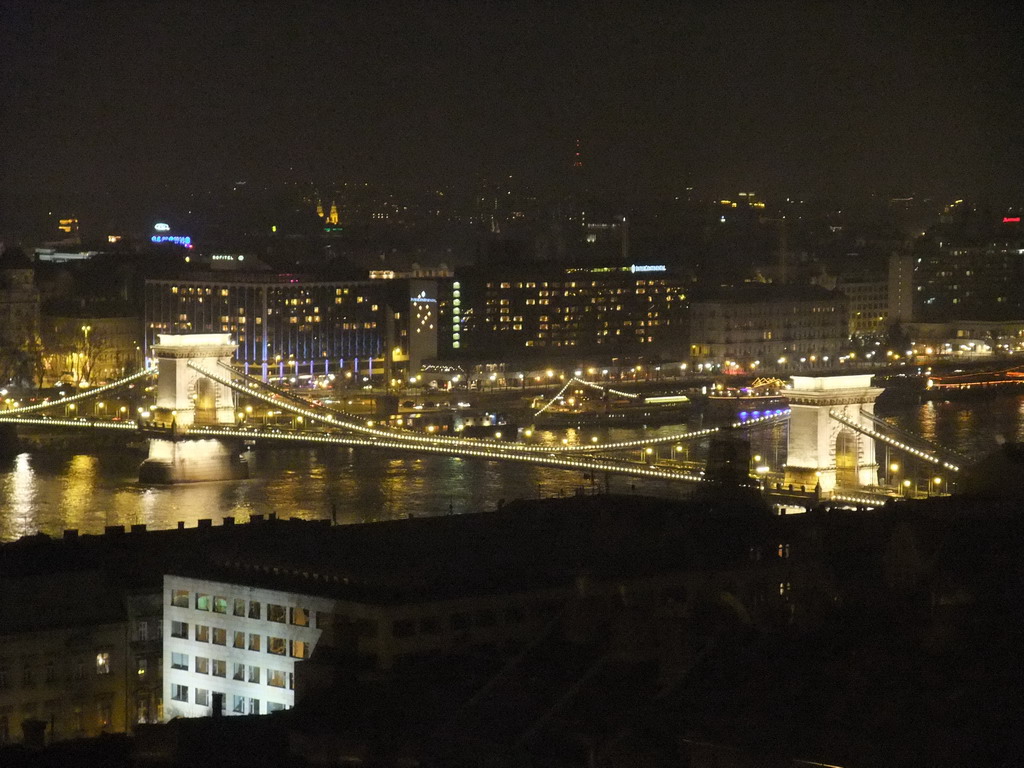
column 110, row 104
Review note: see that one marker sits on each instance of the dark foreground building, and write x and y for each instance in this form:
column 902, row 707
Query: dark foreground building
column 591, row 631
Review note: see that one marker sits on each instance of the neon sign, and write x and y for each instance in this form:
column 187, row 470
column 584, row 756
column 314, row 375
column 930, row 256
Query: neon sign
column 176, row 239
column 161, row 227
column 647, row 268
column 1011, row 219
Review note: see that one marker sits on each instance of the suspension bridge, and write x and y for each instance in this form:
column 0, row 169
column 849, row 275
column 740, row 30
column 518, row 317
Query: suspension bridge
column 196, row 428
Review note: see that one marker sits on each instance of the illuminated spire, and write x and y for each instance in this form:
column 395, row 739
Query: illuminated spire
column 319, row 209
column 332, row 217
column 577, row 161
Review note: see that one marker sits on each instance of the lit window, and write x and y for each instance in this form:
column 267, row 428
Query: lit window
column 179, row 598
column 254, row 642
column 275, row 613
column 276, row 646
column 276, row 678
column 300, row 617
column 299, row 649
column 103, row 663
column 220, row 605
column 202, row 602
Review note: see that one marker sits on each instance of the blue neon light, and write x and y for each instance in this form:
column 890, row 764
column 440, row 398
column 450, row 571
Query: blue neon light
column 176, row 239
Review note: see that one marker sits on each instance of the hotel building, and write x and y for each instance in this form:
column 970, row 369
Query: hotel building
column 570, row 311
column 290, row 325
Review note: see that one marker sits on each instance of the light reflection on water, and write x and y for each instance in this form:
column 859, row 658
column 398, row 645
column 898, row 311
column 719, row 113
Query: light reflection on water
column 972, row 427
column 48, row 490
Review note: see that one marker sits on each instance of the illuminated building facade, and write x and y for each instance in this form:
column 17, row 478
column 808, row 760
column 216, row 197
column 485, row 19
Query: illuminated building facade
column 89, row 348
column 761, row 325
column 291, row 325
column 576, row 311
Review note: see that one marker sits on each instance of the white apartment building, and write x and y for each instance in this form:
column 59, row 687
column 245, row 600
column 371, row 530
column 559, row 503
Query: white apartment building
column 237, row 641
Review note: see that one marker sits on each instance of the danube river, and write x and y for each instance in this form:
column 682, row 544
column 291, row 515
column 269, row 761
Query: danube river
column 51, row 490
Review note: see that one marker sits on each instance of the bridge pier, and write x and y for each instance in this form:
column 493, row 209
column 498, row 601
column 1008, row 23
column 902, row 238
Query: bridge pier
column 186, row 397
column 173, row 461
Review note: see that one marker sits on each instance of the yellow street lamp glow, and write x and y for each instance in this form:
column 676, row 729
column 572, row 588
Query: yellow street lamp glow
column 938, row 480
column 648, row 451
column 894, row 467
column 906, row 483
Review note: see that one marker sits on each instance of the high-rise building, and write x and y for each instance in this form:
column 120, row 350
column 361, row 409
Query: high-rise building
column 970, row 273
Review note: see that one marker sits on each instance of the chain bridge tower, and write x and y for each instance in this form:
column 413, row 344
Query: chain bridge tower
column 824, row 449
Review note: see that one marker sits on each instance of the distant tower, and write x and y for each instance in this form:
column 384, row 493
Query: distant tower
column 319, row 209
column 624, row 226
column 577, row 161
column 332, row 217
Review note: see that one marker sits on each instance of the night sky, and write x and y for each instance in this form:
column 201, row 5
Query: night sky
column 117, row 100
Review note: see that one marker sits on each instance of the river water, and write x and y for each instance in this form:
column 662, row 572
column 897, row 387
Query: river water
column 51, row 490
